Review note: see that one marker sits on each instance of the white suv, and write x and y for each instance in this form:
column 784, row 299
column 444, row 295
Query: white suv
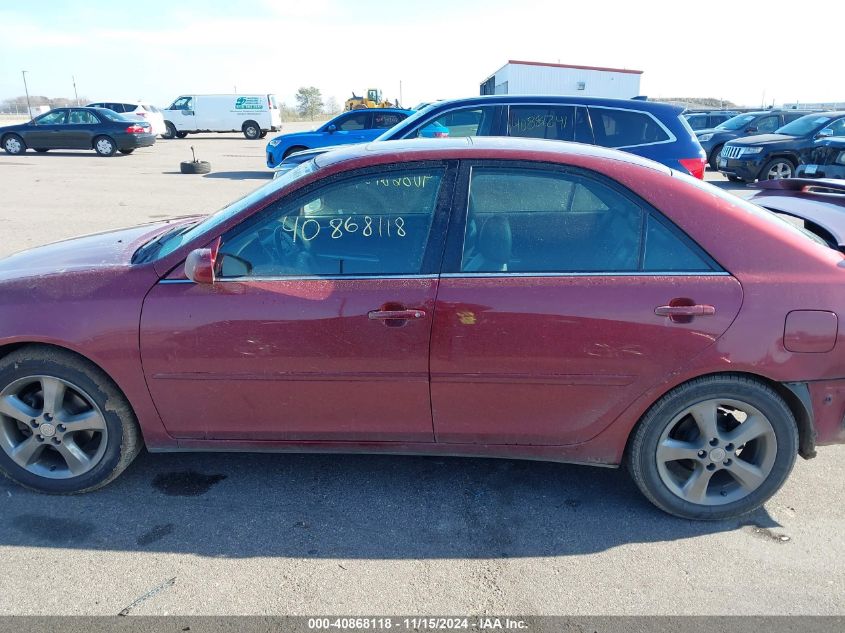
column 144, row 111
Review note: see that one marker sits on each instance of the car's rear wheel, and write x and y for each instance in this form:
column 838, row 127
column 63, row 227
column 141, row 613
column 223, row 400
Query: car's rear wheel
column 251, row 130
column 714, row 448
column 64, row 426
column 291, row 150
column 13, row 144
column 181, row 134
column 126, row 151
column 105, row 146
column 777, row 168
column 714, row 157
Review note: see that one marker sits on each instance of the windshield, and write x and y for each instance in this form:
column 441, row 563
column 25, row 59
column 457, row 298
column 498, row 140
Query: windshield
column 400, row 129
column 803, row 126
column 737, row 122
column 169, row 241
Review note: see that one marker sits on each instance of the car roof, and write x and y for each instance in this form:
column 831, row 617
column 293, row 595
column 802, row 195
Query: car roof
column 478, row 147
column 376, row 110
column 629, row 104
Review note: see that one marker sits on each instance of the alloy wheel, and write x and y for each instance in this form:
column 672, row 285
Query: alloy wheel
column 51, row 427
column 716, row 452
column 779, row 170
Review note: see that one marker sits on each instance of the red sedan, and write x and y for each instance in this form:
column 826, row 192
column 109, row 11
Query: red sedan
column 491, row 297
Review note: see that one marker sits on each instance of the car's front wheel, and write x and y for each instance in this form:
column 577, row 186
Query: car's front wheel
column 65, row 427
column 777, row 168
column 251, row 130
column 13, row 144
column 714, row 448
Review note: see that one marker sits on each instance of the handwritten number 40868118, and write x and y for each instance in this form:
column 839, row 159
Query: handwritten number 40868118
column 309, row 228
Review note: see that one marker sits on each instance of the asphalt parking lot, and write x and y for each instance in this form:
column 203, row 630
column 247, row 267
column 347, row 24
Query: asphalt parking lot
column 310, row 534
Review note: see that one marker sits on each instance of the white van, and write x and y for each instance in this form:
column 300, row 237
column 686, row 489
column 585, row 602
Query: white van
column 254, row 115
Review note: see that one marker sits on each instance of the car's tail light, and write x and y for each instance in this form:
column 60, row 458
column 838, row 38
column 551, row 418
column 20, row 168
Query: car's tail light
column 695, row 166
column 136, row 129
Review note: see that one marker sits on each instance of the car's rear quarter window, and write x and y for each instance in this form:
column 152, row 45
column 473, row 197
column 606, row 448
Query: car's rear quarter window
column 625, row 128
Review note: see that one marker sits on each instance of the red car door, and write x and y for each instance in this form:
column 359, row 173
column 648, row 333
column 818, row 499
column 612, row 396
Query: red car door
column 565, row 298
column 319, row 325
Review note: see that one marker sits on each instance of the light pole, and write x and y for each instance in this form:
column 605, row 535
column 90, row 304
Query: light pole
column 26, row 89
column 75, row 94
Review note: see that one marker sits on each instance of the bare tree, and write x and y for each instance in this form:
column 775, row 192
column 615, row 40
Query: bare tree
column 331, row 106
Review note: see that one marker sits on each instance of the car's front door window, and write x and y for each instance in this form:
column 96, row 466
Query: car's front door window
column 374, row 224
column 52, row 118
column 182, row 103
column 477, row 121
column 357, row 121
column 767, row 124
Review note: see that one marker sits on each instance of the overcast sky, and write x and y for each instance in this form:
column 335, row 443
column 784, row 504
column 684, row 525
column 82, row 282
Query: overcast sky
column 157, row 50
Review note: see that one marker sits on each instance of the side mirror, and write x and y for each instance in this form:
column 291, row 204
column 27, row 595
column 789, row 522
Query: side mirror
column 825, row 132
column 200, row 264
column 331, row 129
column 753, row 128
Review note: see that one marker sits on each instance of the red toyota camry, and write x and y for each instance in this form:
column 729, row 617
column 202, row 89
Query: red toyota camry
column 492, row 297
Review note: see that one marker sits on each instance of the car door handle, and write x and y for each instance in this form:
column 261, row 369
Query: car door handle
column 398, row 315
column 685, row 311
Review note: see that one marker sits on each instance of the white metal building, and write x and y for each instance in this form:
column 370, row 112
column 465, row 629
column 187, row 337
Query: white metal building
column 533, row 78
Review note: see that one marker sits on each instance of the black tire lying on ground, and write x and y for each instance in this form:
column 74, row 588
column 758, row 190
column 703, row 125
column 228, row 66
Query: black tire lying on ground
column 195, row 167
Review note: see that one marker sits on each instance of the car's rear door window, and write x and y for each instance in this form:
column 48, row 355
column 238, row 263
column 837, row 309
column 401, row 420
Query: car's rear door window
column 613, row 127
column 373, row 224
column 767, row 124
column 83, row 117
column 538, row 221
column 385, row 120
column 538, row 121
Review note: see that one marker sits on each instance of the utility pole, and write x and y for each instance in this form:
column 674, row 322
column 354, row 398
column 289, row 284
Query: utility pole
column 26, row 90
column 401, row 100
column 75, row 94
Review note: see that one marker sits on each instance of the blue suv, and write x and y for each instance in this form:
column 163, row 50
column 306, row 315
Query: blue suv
column 647, row 128
column 357, row 126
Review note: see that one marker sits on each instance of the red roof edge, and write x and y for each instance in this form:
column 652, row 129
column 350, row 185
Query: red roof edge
column 612, row 70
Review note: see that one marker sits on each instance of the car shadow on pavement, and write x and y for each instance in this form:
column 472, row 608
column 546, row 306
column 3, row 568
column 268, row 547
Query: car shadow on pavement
column 241, row 175
column 351, row 506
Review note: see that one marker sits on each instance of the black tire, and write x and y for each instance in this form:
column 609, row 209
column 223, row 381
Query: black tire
column 195, row 167
column 251, row 130
column 777, row 165
column 181, row 134
column 41, row 150
column 126, row 151
column 642, row 452
column 104, row 145
column 14, row 144
column 170, row 131
column 122, row 439
column 714, row 157
column 263, row 134
column 291, row 150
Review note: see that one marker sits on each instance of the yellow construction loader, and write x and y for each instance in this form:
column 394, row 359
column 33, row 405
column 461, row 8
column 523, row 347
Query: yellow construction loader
column 372, row 100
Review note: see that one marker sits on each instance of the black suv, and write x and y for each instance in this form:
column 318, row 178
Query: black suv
column 761, row 122
column 774, row 156
column 707, row 120
column 825, row 159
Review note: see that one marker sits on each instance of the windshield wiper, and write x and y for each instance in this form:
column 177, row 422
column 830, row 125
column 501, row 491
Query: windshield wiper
column 149, row 250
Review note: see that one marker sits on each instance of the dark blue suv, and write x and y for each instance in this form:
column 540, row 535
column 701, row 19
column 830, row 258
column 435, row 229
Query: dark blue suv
column 647, row 128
